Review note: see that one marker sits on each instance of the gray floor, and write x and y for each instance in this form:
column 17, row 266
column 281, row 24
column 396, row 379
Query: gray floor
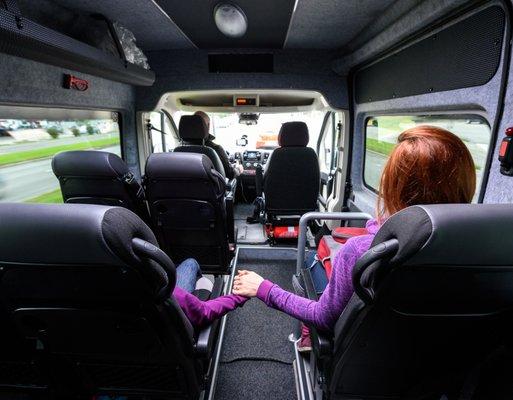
column 256, row 361
column 248, row 233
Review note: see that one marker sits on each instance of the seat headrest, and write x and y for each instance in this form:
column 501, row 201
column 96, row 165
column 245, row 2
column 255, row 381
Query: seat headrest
column 88, row 163
column 76, row 234
column 452, row 234
column 293, row 134
column 179, row 166
column 192, row 127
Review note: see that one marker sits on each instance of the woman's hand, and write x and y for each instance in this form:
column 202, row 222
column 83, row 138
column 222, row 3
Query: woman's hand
column 246, row 283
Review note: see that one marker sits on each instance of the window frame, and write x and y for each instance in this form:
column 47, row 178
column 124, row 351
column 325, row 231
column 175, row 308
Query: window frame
column 328, row 118
column 120, row 113
column 43, row 111
column 454, row 113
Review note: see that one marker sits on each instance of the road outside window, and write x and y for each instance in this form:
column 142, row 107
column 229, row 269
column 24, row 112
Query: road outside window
column 382, row 133
column 263, row 135
column 30, row 137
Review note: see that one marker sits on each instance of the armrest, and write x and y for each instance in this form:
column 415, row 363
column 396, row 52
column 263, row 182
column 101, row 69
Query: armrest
column 205, row 341
column 322, row 343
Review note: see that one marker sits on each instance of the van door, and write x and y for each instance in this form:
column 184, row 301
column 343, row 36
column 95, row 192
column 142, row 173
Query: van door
column 328, row 152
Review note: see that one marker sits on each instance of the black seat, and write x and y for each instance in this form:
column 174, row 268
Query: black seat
column 98, row 177
column 193, row 133
column 187, row 199
column 90, row 291
column 433, row 299
column 291, row 178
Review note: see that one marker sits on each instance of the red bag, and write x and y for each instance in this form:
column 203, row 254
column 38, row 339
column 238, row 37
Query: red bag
column 329, row 245
column 342, row 234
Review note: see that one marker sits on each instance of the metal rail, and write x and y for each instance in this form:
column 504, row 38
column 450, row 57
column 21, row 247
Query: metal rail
column 323, row 216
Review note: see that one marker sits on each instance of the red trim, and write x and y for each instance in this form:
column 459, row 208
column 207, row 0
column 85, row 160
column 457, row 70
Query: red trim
column 72, row 82
column 503, row 148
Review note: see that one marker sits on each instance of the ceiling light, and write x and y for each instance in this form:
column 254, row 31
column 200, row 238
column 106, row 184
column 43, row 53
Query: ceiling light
column 230, row 20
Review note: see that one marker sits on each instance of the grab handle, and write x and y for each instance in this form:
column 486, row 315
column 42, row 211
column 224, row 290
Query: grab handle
column 303, row 225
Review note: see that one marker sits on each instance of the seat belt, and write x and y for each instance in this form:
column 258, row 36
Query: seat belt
column 133, row 186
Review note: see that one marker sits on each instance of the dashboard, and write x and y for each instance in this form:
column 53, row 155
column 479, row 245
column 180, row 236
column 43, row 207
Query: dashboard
column 251, row 159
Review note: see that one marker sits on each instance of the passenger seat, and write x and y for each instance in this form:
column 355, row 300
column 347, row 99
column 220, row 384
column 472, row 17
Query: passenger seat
column 433, row 301
column 188, row 200
column 99, row 177
column 90, row 291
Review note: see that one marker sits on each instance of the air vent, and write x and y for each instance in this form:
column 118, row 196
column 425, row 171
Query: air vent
column 240, row 63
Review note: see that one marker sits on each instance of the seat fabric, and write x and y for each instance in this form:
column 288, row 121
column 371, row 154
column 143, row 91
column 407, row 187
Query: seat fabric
column 98, row 177
column 186, row 196
column 291, row 178
column 425, row 315
column 97, row 318
column 194, row 132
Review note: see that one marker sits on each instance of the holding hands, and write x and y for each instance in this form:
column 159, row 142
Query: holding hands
column 246, row 283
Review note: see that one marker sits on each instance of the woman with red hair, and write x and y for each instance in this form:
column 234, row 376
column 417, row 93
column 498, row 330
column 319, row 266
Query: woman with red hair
column 429, row 165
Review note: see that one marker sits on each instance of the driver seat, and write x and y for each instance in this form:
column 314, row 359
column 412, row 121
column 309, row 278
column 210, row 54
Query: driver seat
column 193, row 133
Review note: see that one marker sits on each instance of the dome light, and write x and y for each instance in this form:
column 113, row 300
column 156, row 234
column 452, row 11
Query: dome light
column 230, row 20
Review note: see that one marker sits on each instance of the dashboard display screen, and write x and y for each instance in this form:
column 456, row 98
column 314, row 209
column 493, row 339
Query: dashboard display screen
column 251, row 155
column 245, row 101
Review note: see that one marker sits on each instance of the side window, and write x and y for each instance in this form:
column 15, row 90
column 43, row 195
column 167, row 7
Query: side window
column 328, row 153
column 381, row 135
column 326, row 149
column 30, row 137
column 157, row 141
column 162, row 138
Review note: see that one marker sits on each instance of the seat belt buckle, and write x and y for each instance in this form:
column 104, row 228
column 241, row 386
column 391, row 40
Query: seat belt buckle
column 128, row 178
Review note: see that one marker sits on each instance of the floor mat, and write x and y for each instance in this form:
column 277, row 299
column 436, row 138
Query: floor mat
column 256, row 360
column 249, row 380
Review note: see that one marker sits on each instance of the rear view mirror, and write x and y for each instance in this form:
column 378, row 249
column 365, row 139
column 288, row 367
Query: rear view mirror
column 243, row 141
column 248, row 118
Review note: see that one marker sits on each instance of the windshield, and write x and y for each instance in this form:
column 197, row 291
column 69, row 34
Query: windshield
column 264, row 135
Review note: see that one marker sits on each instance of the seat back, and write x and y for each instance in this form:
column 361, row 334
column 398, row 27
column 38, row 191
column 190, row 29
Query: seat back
column 433, row 298
column 186, row 196
column 98, row 177
column 193, row 132
column 90, row 291
column 292, row 177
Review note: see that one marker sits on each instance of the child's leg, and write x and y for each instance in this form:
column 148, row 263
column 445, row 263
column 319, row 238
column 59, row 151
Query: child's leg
column 187, row 273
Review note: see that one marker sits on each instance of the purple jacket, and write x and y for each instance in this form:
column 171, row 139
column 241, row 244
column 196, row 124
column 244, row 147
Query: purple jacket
column 202, row 313
column 323, row 314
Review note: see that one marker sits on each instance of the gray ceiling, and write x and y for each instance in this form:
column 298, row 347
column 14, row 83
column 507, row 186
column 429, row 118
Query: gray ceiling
column 315, row 24
column 152, row 27
column 331, row 24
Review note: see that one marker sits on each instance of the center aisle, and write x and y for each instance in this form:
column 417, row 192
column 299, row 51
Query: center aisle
column 256, row 359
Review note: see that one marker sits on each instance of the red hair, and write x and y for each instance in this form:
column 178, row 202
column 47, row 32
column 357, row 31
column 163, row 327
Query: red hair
column 429, row 165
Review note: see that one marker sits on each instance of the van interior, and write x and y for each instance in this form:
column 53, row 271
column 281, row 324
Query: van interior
column 137, row 134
